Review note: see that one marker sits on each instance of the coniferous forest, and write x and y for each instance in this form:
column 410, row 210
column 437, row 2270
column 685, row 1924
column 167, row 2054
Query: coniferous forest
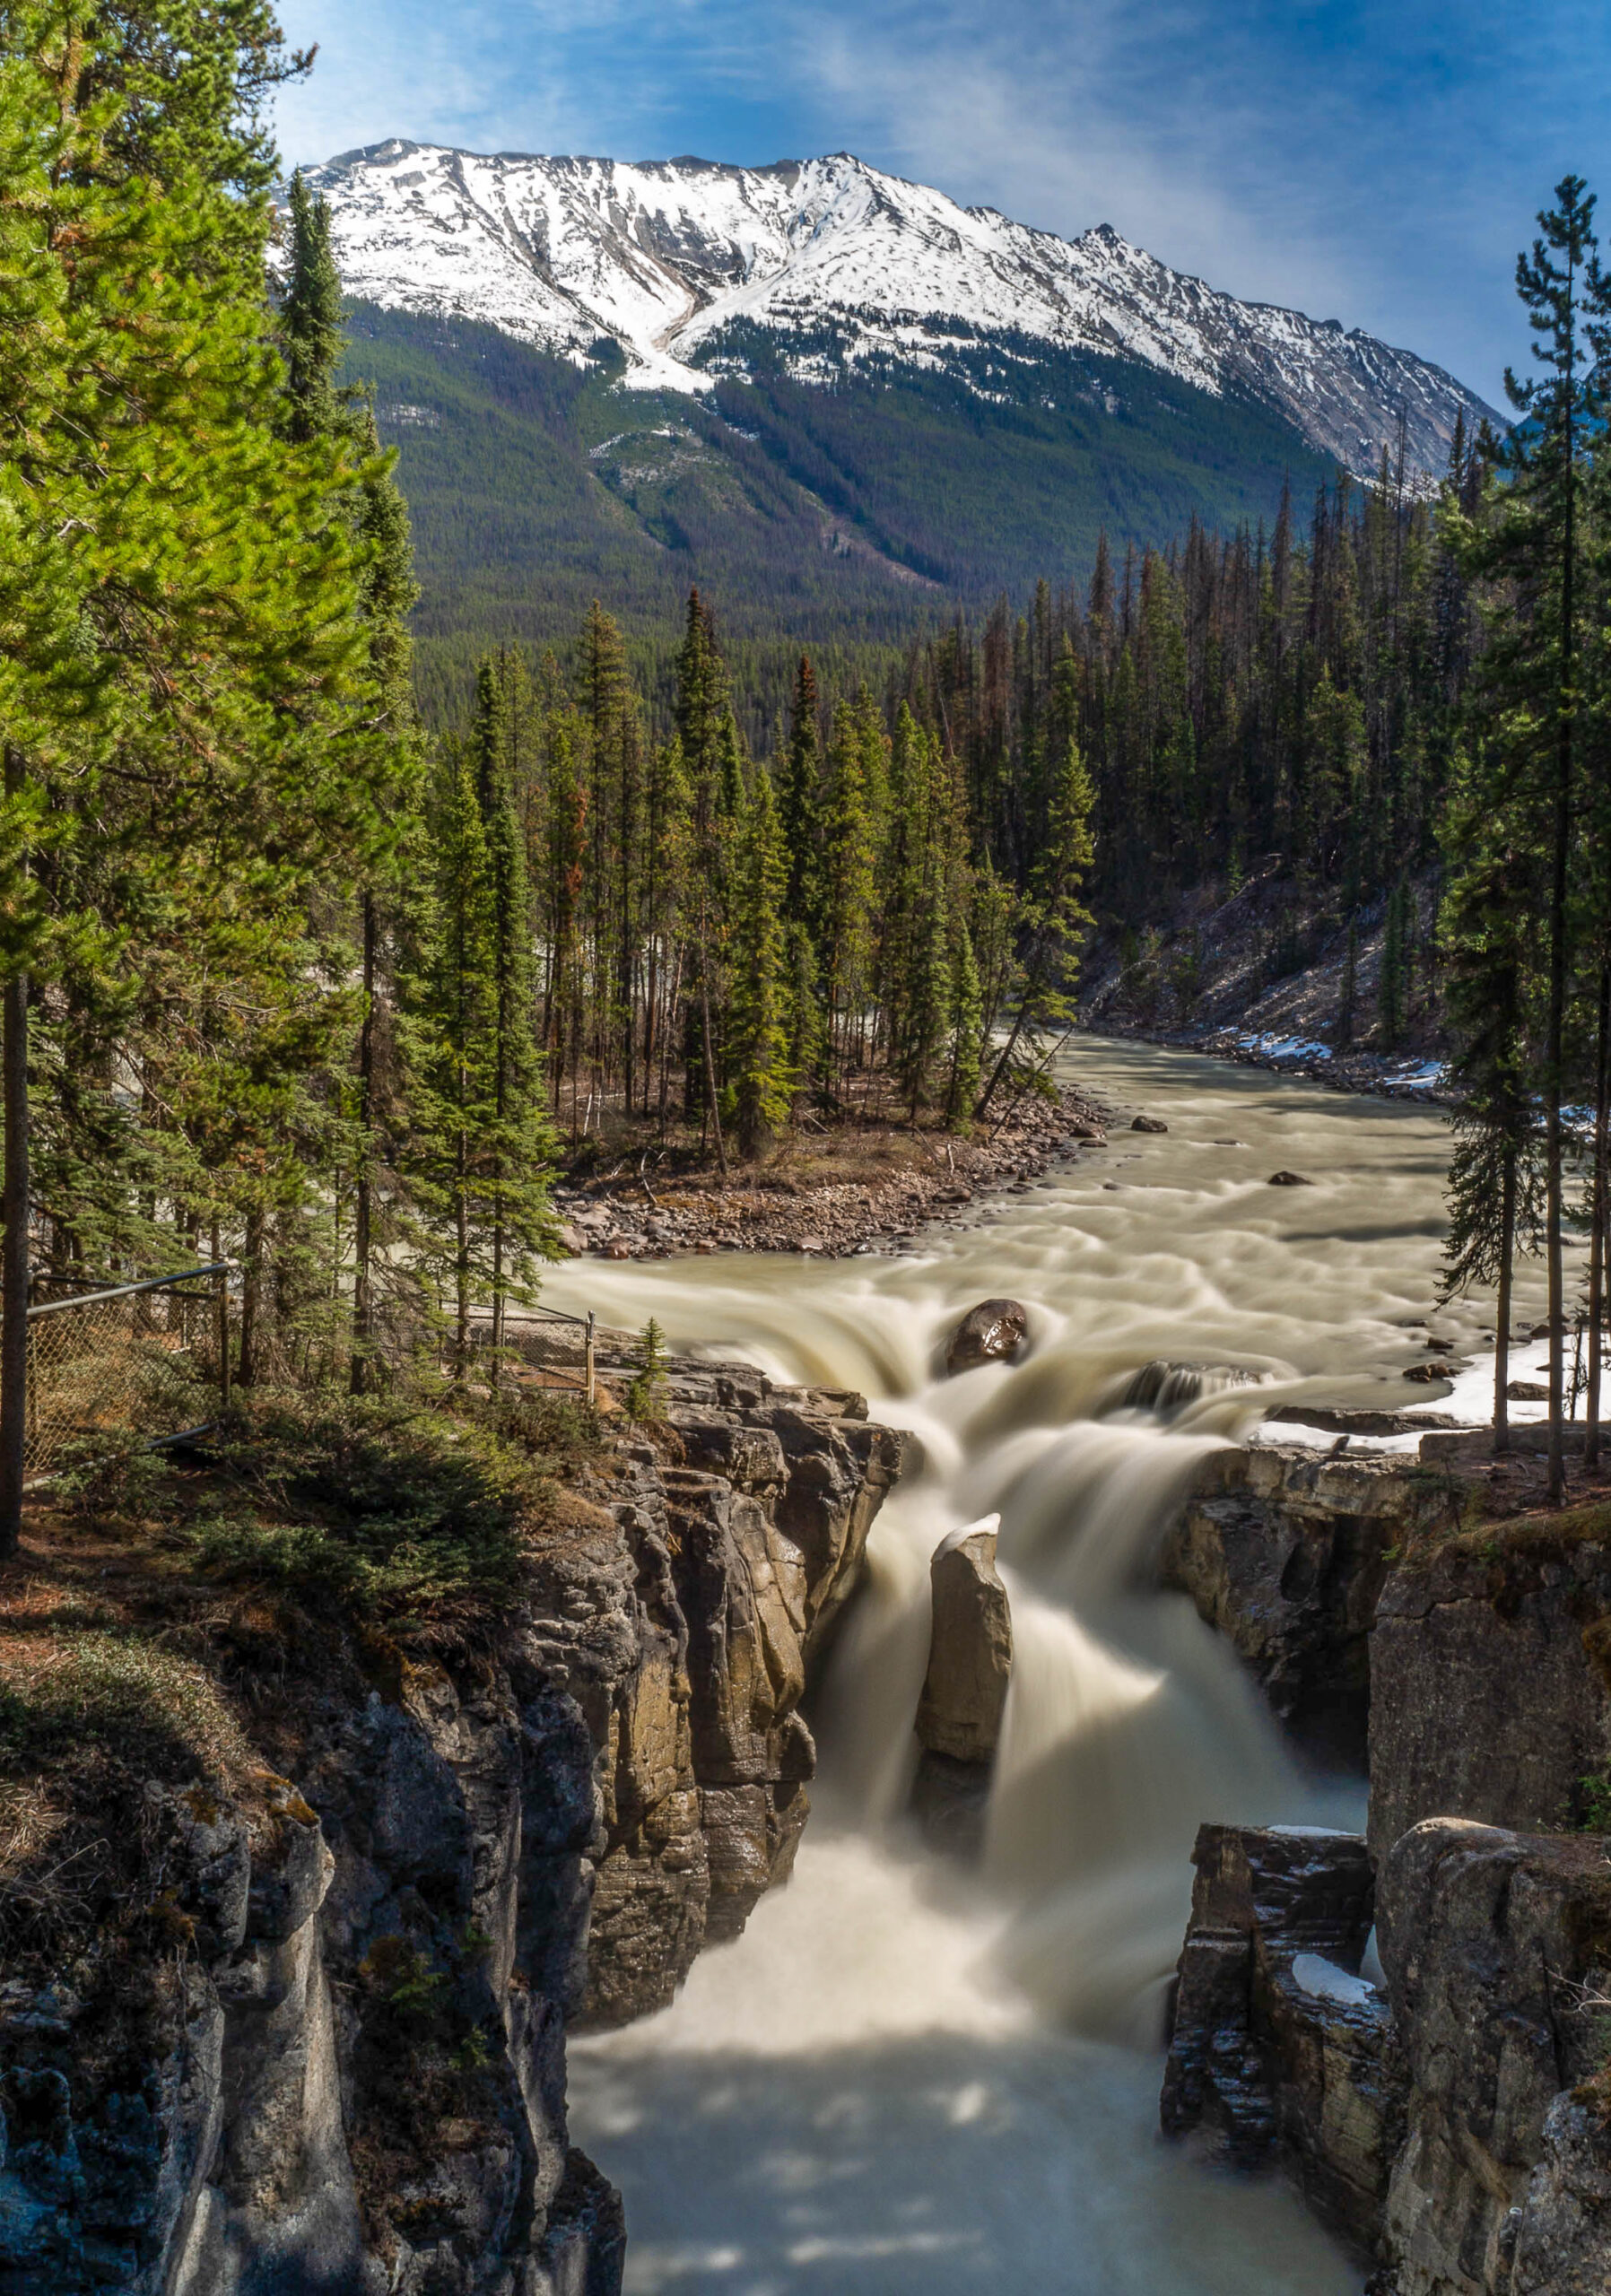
column 294, row 980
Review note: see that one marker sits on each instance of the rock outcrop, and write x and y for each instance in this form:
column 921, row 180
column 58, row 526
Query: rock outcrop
column 1491, row 1670
column 734, row 1564
column 965, row 1688
column 1484, row 1658
column 992, row 1332
column 1286, row 1552
column 1493, row 1943
column 330, row 2053
column 1280, row 2051
column 347, row 2069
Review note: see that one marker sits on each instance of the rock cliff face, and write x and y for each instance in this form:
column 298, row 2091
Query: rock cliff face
column 1279, row 2049
column 724, row 1564
column 1491, row 1675
column 340, row 2065
column 1492, row 1942
column 1459, row 2129
column 1286, row 1552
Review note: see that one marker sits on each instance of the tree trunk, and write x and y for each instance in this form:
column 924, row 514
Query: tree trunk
column 721, row 1153
column 251, row 1291
column 497, row 1279
column 1596, row 1228
column 363, row 1318
column 1501, row 1347
column 461, row 1262
column 13, row 1252
column 1555, row 1055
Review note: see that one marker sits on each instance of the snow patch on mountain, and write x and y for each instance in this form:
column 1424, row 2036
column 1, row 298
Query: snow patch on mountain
column 663, row 259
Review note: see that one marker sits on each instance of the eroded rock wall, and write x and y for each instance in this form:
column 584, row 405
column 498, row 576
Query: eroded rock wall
column 1482, row 1657
column 1493, row 1944
column 1491, row 1667
column 341, row 2066
column 1279, row 2051
column 1285, row 1552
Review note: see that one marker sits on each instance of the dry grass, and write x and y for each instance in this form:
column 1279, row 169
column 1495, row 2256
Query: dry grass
column 73, row 1688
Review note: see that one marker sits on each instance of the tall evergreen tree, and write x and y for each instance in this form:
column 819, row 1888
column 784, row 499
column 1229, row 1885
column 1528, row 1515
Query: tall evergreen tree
column 1488, row 930
column 757, row 1040
column 1534, row 542
column 180, row 644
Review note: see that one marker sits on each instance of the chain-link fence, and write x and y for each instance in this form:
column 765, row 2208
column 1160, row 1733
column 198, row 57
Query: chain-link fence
column 545, row 1348
column 146, row 1360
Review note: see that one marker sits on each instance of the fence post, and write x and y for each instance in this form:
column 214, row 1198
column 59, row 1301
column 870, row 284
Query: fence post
column 587, row 1359
column 223, row 1341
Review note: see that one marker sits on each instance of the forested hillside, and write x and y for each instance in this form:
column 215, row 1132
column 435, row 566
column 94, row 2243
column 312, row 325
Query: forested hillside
column 840, row 519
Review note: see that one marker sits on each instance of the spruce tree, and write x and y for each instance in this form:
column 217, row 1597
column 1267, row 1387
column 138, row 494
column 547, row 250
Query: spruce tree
column 309, row 321
column 757, row 1034
column 182, row 651
column 800, row 804
column 1489, row 934
column 1534, row 544
column 1054, row 920
column 965, row 1025
column 845, row 892
column 517, row 1150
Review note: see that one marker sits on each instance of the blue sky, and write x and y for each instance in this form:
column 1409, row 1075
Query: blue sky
column 1372, row 162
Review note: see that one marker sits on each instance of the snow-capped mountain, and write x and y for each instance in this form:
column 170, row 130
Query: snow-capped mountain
column 844, row 267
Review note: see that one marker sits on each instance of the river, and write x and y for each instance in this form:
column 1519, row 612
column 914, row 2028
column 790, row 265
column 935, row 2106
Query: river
column 903, row 2082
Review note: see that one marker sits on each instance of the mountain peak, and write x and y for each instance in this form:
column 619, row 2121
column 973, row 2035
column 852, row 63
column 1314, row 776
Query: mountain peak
column 847, row 269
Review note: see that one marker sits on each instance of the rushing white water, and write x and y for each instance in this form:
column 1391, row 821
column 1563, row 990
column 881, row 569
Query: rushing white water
column 898, row 2080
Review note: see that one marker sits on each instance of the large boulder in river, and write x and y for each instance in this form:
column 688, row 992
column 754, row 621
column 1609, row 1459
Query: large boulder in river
column 1148, row 1124
column 970, row 1648
column 991, row 1333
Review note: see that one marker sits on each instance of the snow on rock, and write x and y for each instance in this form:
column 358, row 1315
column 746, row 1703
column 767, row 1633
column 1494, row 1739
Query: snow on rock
column 665, row 256
column 1327, row 1982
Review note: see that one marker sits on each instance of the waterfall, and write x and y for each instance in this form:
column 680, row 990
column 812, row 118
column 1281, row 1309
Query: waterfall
column 909, row 2081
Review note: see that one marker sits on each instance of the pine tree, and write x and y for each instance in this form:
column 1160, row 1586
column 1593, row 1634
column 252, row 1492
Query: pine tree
column 1488, row 930
column 1534, row 542
column 517, row 1150
column 800, row 804
column 451, row 1025
column 310, row 331
column 1054, row 919
column 965, row 1025
column 845, row 895
column 182, row 649
column 757, row 1036
column 705, row 733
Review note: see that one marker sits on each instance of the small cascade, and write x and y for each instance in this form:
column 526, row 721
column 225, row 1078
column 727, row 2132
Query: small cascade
column 1166, row 1389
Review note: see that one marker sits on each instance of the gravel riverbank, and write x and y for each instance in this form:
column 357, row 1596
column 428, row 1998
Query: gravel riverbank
column 852, row 1189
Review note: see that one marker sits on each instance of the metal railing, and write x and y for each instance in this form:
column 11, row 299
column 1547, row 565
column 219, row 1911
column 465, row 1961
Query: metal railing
column 148, row 1361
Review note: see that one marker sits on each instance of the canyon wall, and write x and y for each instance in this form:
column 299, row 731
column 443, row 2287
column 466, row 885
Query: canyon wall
column 1447, row 2110
column 341, row 2062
